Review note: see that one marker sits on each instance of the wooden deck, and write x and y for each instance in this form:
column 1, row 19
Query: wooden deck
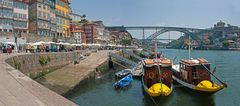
column 137, row 71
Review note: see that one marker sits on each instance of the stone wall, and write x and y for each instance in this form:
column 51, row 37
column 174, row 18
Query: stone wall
column 39, row 64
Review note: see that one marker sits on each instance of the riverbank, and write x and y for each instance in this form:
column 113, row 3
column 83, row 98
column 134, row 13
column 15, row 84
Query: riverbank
column 64, row 80
column 220, row 49
column 17, row 89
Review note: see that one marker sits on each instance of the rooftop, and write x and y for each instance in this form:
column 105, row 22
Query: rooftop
column 198, row 61
column 162, row 61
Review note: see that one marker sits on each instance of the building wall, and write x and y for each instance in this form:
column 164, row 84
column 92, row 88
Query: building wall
column 53, row 23
column 39, row 17
column 77, row 33
column 63, row 20
column 77, row 37
column 20, row 14
column 6, row 15
column 75, row 17
column 14, row 16
column 90, row 32
column 83, row 38
column 53, row 20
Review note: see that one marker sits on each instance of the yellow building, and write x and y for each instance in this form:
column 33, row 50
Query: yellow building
column 63, row 19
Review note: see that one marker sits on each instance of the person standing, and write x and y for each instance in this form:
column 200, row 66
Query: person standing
column 7, row 49
column 1, row 49
column 10, row 49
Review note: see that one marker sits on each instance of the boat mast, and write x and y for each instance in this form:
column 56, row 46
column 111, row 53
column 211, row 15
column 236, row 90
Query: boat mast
column 189, row 47
column 159, row 71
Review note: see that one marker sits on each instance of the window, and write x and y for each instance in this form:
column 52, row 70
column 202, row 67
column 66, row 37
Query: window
column 39, row 6
column 44, row 15
column 24, row 16
column 39, row 14
column 48, row 16
column 20, row 5
column 194, row 74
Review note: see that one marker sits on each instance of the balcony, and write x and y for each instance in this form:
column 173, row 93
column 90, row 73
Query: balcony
column 20, row 19
column 5, row 7
column 63, row 15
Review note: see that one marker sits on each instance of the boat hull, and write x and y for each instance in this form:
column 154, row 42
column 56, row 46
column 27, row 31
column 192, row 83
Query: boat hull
column 204, row 86
column 124, row 82
column 156, row 91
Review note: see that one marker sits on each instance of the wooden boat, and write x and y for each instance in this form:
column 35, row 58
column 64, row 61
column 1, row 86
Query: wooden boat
column 157, row 83
column 123, row 73
column 124, row 82
column 195, row 74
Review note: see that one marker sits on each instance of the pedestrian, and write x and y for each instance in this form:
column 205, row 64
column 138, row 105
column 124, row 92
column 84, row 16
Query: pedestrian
column 7, row 50
column 1, row 48
column 4, row 49
column 10, row 49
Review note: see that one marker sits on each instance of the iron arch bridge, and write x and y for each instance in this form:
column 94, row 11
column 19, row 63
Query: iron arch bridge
column 160, row 30
column 186, row 31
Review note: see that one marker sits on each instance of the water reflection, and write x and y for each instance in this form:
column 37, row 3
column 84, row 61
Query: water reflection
column 159, row 101
column 198, row 98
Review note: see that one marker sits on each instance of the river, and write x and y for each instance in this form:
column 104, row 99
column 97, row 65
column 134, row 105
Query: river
column 100, row 92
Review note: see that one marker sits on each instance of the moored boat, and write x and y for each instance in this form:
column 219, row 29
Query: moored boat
column 124, row 82
column 195, row 74
column 157, row 77
column 123, row 73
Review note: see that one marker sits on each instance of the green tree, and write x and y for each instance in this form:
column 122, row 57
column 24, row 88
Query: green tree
column 84, row 16
column 126, row 41
column 226, row 43
column 83, row 21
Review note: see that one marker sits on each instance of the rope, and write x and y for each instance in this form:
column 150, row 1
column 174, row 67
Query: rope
column 153, row 100
column 214, row 76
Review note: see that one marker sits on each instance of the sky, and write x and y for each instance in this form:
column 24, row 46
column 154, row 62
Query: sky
column 180, row 13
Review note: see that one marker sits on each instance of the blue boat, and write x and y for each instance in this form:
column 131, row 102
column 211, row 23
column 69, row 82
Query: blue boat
column 124, row 82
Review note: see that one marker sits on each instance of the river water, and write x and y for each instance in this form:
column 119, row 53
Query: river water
column 100, row 92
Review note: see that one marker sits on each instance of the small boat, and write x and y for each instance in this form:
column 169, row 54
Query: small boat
column 124, row 82
column 195, row 74
column 157, row 77
column 123, row 73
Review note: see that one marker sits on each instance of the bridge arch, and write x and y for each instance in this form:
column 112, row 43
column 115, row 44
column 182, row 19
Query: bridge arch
column 164, row 30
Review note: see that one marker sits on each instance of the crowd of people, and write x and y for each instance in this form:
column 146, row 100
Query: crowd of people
column 10, row 47
column 7, row 48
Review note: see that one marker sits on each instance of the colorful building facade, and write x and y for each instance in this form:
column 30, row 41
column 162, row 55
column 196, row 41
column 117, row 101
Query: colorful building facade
column 14, row 16
column 90, row 31
column 62, row 18
column 53, row 19
column 39, row 17
column 77, row 33
column 75, row 18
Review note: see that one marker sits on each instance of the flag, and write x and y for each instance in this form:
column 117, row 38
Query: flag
column 214, row 70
